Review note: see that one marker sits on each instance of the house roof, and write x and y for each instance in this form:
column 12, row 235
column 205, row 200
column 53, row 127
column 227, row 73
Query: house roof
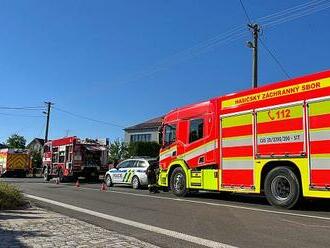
column 40, row 141
column 154, row 123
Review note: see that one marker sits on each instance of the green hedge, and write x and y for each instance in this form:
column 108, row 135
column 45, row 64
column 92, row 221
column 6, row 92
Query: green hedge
column 11, row 197
column 150, row 149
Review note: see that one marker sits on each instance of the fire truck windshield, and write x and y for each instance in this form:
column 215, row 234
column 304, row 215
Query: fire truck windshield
column 170, row 134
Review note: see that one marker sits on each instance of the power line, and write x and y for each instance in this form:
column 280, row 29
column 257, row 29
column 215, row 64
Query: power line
column 274, row 58
column 232, row 34
column 282, row 17
column 18, row 115
column 23, row 108
column 264, row 45
column 88, row 118
column 291, row 10
column 246, row 14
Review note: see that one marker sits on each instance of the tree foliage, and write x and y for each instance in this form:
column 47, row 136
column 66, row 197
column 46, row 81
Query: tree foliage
column 16, row 141
column 150, row 149
column 36, row 159
column 117, row 151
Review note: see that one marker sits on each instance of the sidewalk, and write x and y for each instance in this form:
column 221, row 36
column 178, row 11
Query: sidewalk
column 37, row 227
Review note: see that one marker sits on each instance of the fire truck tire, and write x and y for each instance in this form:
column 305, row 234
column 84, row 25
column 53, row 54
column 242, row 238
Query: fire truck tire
column 108, row 181
column 136, row 182
column 178, row 182
column 46, row 175
column 282, row 187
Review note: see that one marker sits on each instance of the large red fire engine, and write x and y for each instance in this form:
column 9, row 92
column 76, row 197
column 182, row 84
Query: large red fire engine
column 273, row 139
column 72, row 157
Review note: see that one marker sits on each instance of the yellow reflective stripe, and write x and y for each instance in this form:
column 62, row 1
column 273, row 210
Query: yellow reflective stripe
column 319, row 129
column 320, row 135
column 319, row 108
column 237, row 120
column 237, row 137
column 284, row 91
column 167, row 150
column 167, row 153
column 282, row 132
column 237, row 164
column 320, row 163
column 320, row 155
column 279, row 114
column 200, row 150
column 238, row 141
column 238, row 158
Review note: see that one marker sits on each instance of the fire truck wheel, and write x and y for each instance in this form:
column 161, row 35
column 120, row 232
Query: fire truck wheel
column 282, row 188
column 108, row 181
column 178, row 182
column 135, row 182
column 46, row 175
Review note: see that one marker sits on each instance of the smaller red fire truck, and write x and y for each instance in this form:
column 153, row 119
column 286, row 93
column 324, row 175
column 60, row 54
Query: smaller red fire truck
column 71, row 157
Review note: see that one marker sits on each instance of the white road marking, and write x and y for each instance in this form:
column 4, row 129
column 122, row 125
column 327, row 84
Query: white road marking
column 217, row 204
column 170, row 233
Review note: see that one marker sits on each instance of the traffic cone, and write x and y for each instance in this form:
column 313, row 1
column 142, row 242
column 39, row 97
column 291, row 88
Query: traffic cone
column 77, row 183
column 103, row 187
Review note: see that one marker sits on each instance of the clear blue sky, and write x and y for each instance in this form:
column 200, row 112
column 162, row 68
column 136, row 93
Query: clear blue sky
column 96, row 58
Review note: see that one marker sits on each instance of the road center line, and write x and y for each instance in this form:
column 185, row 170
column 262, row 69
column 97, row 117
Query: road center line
column 170, row 233
column 218, row 204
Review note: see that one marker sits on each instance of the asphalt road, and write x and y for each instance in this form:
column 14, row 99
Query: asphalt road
column 237, row 220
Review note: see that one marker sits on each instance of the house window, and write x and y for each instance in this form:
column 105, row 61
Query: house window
column 140, row 137
column 196, row 130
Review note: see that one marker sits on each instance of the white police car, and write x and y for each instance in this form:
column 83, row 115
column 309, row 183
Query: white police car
column 130, row 172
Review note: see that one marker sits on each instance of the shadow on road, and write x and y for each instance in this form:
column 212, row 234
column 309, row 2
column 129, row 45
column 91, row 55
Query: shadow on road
column 320, row 205
column 11, row 233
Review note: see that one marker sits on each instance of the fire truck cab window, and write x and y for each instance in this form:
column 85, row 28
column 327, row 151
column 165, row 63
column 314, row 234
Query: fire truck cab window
column 196, row 130
column 170, row 134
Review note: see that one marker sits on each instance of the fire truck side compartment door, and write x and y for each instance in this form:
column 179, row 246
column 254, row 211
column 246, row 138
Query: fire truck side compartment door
column 237, row 161
column 280, row 131
column 319, row 137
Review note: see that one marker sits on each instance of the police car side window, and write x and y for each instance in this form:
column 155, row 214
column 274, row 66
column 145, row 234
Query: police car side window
column 122, row 165
column 141, row 164
column 130, row 164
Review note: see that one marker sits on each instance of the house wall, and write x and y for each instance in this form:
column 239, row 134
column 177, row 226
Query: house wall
column 154, row 135
column 34, row 146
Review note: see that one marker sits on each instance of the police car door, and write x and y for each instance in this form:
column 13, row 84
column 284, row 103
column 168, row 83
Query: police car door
column 119, row 172
column 130, row 170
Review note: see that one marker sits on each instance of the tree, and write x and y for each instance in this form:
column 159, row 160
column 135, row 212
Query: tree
column 16, row 141
column 36, row 159
column 149, row 149
column 117, row 151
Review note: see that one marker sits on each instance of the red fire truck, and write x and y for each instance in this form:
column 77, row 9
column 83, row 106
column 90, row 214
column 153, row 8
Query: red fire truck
column 71, row 157
column 273, row 139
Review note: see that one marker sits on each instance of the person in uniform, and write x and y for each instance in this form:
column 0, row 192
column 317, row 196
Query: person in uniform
column 152, row 173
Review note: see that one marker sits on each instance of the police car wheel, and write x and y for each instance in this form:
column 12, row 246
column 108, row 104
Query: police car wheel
column 135, row 182
column 282, row 188
column 108, row 181
column 178, row 182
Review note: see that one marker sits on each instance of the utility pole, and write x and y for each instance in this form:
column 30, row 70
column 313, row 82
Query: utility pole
column 255, row 29
column 48, row 104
